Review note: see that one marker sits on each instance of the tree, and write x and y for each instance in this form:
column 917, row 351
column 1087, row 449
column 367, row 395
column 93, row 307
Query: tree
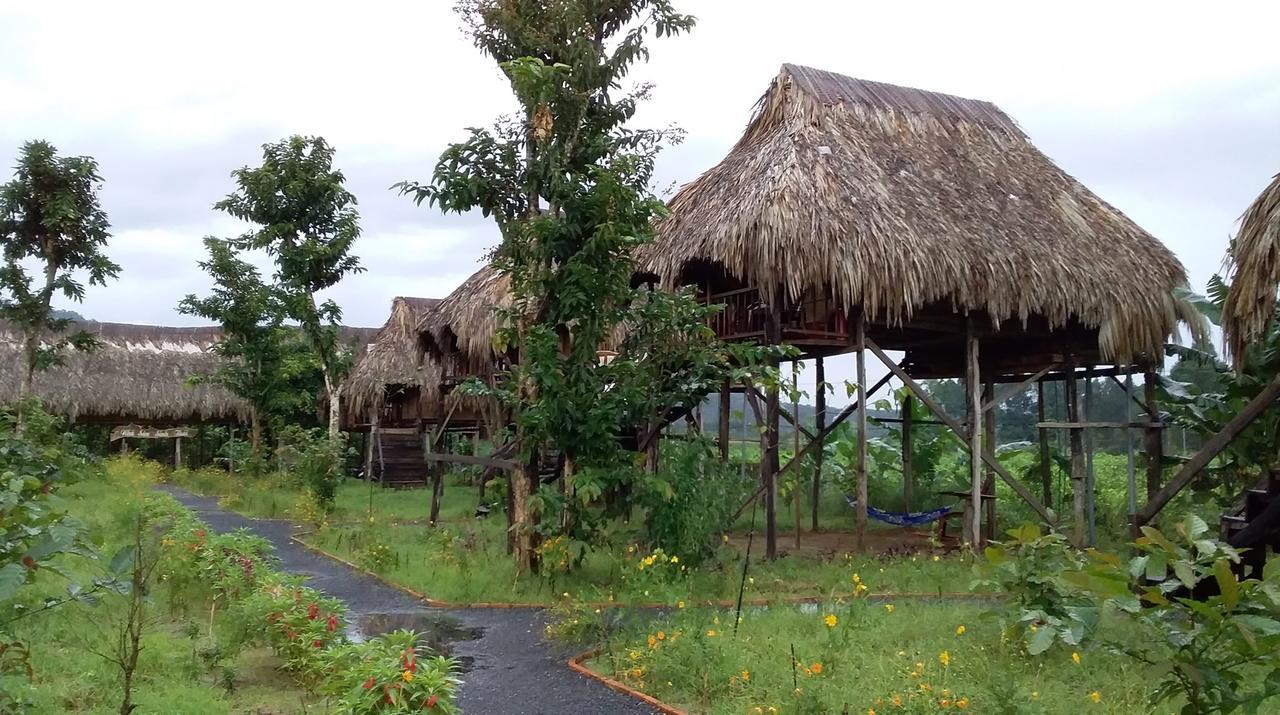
column 261, row 358
column 568, row 185
column 307, row 223
column 50, row 217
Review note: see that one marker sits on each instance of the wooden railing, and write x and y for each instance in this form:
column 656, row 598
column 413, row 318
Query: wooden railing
column 815, row 320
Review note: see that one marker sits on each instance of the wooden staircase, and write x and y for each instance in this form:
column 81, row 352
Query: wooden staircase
column 1255, row 524
column 397, row 458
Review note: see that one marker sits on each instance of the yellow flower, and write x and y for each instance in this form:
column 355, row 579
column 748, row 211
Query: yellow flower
column 1095, row 696
column 897, row 701
column 1076, row 657
column 831, row 620
column 936, row 558
column 746, row 675
column 816, row 668
column 962, row 703
column 888, row 608
column 407, row 675
column 944, row 703
column 711, row 633
column 945, row 658
column 860, row 588
column 653, row 642
column 1035, row 694
column 773, row 710
column 675, row 559
column 662, row 635
column 724, row 538
column 857, row 578
column 960, row 629
column 679, row 604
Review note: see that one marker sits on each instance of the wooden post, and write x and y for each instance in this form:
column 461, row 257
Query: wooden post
column 1076, row 438
column 973, row 391
column 908, row 477
column 860, row 345
column 725, row 402
column 1154, row 438
column 769, row 459
column 177, row 453
column 1128, row 448
column 795, row 446
column 124, row 447
column 1089, row 506
column 369, row 439
column 1046, row 465
column 820, row 424
column 989, row 446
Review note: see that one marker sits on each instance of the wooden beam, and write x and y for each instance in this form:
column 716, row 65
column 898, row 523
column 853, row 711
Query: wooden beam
column 1046, row 466
column 784, row 413
column 908, row 407
column 860, row 344
column 769, row 457
column 989, row 445
column 973, row 407
column 820, row 424
column 1077, row 464
column 1211, row 449
column 506, row 464
column 897, row 371
column 1018, row 389
column 725, row 400
column 1154, row 440
column 1085, row 425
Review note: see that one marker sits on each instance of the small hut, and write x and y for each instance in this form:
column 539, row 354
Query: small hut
column 861, row 216
column 140, row 375
column 1250, row 307
column 390, row 384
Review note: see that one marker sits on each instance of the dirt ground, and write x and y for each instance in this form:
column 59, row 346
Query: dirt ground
column 833, row 542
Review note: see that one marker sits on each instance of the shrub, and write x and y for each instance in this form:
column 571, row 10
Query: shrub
column 390, row 674
column 317, row 461
column 696, row 503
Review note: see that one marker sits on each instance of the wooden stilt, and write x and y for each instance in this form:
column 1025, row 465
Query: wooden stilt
column 820, row 424
column 989, row 446
column 1076, row 438
column 769, row 458
column 1046, row 466
column 1154, row 438
column 368, row 445
column 795, row 448
column 860, row 345
column 1090, row 511
column 725, row 403
column 973, row 390
column 1128, row 449
column 177, row 453
column 908, row 476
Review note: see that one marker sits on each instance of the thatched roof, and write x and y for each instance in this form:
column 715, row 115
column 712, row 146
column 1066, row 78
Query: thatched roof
column 468, row 316
column 898, row 198
column 1255, row 257
column 139, row 374
column 393, row 356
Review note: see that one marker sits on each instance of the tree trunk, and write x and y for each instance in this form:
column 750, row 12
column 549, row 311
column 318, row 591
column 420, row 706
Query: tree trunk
column 334, row 392
column 521, row 521
column 255, row 432
column 31, row 339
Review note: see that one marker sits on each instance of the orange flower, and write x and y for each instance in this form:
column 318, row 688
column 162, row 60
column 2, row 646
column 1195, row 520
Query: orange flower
column 816, row 668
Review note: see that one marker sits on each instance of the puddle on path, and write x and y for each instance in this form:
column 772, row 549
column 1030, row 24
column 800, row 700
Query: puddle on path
column 435, row 630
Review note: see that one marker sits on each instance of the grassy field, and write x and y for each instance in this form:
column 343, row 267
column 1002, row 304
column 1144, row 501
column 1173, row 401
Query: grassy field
column 896, row 657
column 173, row 673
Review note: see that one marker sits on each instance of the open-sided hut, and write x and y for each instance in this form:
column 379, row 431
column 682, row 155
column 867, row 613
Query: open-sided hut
column 858, row 215
column 139, row 375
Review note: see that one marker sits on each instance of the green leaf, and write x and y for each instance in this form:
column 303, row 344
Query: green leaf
column 1185, row 572
column 12, row 576
column 122, row 561
column 1040, row 641
column 1227, row 583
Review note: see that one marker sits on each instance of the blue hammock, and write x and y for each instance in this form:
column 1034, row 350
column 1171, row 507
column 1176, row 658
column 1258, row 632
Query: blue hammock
column 899, row 519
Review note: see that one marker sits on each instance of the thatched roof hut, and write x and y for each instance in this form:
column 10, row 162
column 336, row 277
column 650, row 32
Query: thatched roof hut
column 1255, row 257
column 466, row 320
column 393, row 358
column 139, row 374
column 906, row 204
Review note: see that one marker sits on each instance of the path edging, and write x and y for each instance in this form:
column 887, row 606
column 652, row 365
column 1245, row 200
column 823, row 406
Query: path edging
column 575, row 664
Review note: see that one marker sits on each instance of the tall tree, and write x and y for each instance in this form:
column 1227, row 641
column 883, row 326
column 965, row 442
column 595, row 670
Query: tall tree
column 307, row 222
column 260, row 355
column 50, row 218
column 568, row 185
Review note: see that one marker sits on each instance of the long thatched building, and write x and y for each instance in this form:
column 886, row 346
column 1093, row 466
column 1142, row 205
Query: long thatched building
column 860, row 216
column 140, row 375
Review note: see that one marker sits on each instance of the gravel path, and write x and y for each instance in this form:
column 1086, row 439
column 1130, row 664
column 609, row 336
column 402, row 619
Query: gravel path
column 510, row 668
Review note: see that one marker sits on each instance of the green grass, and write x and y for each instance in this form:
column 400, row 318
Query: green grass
column 171, row 678
column 866, row 660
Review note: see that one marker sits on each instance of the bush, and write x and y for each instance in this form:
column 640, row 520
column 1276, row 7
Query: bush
column 316, row 460
column 696, row 502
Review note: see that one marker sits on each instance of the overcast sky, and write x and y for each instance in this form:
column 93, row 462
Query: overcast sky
column 1172, row 114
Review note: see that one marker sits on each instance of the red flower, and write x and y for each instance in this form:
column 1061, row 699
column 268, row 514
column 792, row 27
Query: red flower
column 333, row 623
column 200, row 533
column 289, row 633
column 29, row 562
column 313, row 612
column 368, row 684
column 431, row 702
column 317, row 644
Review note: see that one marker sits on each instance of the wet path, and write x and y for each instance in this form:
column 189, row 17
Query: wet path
column 510, row 669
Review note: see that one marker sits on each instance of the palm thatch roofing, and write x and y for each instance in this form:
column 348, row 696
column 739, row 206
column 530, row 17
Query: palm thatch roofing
column 1255, row 256
column 467, row 319
column 393, row 357
column 138, row 374
column 895, row 199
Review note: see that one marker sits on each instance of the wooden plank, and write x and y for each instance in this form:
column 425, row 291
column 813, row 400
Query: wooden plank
column 470, row 459
column 1211, row 449
column 897, row 371
column 1084, row 425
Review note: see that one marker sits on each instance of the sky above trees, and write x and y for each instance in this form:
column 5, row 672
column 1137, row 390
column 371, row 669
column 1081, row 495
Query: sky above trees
column 1169, row 115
